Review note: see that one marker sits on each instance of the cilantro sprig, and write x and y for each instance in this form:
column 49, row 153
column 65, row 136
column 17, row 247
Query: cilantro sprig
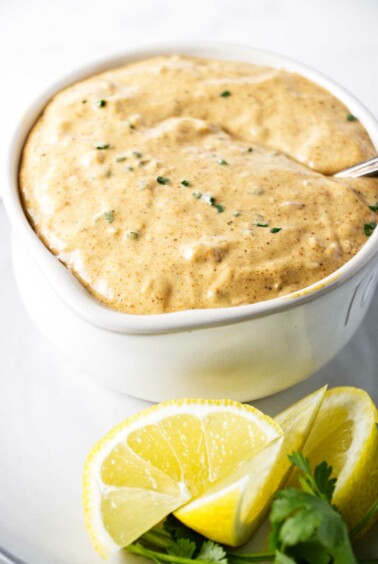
column 306, row 528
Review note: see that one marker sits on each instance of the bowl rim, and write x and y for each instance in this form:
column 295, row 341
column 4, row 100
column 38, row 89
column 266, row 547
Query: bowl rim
column 73, row 293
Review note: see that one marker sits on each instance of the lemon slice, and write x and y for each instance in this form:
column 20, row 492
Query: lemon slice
column 154, row 462
column 346, row 436
column 231, row 510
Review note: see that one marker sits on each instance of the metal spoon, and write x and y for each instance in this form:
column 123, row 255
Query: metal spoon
column 366, row 168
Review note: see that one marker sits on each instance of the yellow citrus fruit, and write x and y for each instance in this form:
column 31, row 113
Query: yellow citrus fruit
column 157, row 460
column 230, row 510
column 345, row 434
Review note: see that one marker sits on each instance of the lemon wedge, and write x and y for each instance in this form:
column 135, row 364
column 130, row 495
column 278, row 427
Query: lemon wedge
column 231, row 510
column 154, row 462
column 345, row 434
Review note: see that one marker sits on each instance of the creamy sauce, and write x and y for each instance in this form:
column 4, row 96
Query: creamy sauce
column 178, row 183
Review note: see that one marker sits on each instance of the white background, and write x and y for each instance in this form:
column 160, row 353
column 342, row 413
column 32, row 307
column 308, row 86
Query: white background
column 50, row 414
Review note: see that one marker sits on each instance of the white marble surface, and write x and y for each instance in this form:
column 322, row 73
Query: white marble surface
column 49, row 413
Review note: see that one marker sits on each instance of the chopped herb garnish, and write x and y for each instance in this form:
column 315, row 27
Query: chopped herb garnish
column 120, row 159
column 109, row 216
column 374, row 208
column 162, row 180
column 83, row 101
column 208, row 199
column 262, row 225
column 275, row 229
column 351, row 117
column 101, row 103
column 304, row 527
column 225, row 94
column 369, row 228
column 236, row 213
column 137, row 154
column 102, row 146
column 185, row 183
column 129, row 168
column 222, row 162
column 132, row 234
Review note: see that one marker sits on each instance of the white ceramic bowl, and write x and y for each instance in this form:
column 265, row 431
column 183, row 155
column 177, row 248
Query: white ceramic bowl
column 243, row 352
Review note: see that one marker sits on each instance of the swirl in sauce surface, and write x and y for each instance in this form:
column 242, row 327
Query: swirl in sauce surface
column 178, row 183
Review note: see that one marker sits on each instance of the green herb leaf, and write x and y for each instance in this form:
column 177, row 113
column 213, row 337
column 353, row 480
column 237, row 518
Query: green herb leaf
column 225, row 94
column 351, row 117
column 197, row 195
column 185, row 183
column 369, row 228
column 100, row 103
column 137, row 154
column 182, row 547
column 261, row 224
column 305, row 522
column 275, row 229
column 374, row 208
column 212, row 552
column 283, row 559
column 109, row 216
column 120, row 159
column 219, row 208
column 222, row 162
column 321, row 484
column 102, row 146
column 162, row 180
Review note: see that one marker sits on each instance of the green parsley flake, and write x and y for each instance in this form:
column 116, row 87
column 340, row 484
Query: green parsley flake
column 374, row 208
column 120, row 159
column 197, row 195
column 222, row 162
column 109, row 216
column 101, row 103
column 162, row 180
column 225, row 94
column 129, row 168
column 275, row 229
column 185, row 183
column 351, row 117
column 236, row 213
column 261, row 224
column 102, row 146
column 137, row 154
column 369, row 228
column 219, row 208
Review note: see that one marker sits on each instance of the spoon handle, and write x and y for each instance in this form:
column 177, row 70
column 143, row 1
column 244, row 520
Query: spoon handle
column 367, row 168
